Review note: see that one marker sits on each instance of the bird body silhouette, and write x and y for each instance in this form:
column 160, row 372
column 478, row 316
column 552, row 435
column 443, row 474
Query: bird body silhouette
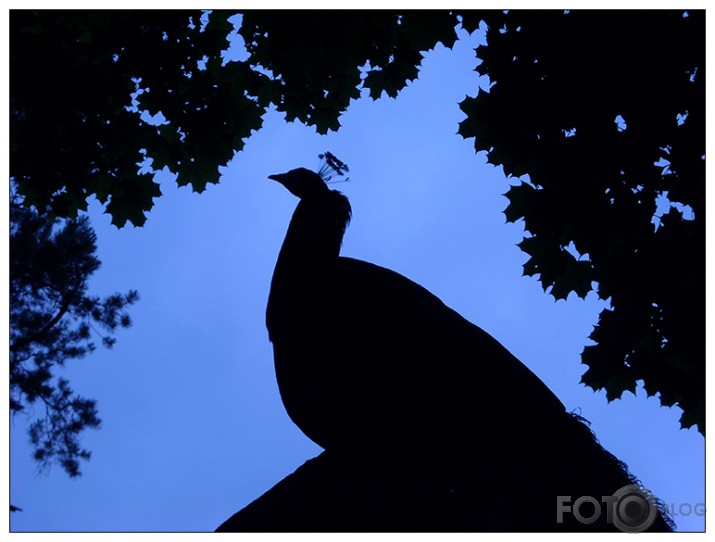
column 363, row 354
column 370, row 364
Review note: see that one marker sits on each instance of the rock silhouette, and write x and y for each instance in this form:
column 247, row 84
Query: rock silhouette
column 428, row 422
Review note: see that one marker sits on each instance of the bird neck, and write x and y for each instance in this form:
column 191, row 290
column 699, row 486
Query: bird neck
column 315, row 233
column 306, row 263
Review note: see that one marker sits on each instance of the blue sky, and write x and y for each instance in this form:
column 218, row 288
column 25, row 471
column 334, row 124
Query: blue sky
column 193, row 427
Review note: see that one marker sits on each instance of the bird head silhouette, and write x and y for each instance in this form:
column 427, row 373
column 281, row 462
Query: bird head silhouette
column 302, row 182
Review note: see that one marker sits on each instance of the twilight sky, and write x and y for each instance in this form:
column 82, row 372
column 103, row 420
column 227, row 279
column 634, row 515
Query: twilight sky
column 193, row 426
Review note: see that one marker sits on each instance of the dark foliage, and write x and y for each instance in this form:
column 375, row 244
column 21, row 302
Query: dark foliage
column 52, row 319
column 610, row 130
column 105, row 68
column 152, row 88
column 380, row 50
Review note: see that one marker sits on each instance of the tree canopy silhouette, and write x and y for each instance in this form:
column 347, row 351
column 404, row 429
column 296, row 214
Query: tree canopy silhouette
column 52, row 320
column 599, row 115
column 610, row 130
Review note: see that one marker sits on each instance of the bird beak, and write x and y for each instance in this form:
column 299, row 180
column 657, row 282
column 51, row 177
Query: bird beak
column 277, row 177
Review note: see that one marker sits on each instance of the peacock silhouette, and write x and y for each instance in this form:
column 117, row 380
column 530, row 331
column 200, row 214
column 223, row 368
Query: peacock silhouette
column 367, row 359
